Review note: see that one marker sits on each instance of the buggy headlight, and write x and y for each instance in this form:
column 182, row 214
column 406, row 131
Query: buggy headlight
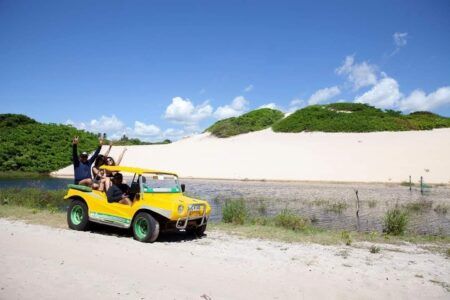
column 180, row 208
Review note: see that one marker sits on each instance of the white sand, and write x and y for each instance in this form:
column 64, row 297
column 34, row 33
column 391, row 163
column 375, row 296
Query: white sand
column 359, row 157
column 39, row 262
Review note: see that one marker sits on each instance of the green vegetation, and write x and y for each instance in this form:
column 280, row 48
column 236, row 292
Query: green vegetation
column 418, row 206
column 32, row 149
column 29, row 146
column 235, row 212
column 289, row 220
column 356, row 117
column 34, row 198
column 395, row 222
column 253, row 121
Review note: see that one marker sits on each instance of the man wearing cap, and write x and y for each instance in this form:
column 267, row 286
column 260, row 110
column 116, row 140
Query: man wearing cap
column 82, row 165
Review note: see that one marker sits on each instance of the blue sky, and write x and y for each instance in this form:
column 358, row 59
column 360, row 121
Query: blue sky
column 156, row 69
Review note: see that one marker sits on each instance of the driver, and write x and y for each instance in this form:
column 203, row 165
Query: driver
column 118, row 191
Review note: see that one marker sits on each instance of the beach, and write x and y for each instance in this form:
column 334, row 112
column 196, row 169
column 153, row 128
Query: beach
column 306, row 156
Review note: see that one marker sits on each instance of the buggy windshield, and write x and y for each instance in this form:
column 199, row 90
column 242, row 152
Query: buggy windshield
column 160, row 183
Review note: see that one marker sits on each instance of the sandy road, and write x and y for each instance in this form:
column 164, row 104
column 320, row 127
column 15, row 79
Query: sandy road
column 39, row 262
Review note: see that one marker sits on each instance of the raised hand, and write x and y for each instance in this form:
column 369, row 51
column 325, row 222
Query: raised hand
column 75, row 140
column 100, row 141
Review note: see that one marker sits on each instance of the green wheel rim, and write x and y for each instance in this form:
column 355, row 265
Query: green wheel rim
column 76, row 215
column 141, row 228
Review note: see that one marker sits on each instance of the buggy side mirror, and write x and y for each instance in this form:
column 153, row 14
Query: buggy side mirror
column 183, row 187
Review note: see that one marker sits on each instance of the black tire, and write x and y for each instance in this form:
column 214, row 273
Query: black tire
column 145, row 228
column 77, row 215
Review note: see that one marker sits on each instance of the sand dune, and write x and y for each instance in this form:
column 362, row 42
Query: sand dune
column 360, row 157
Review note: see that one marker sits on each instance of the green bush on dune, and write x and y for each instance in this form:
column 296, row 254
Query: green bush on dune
column 356, row 117
column 252, row 121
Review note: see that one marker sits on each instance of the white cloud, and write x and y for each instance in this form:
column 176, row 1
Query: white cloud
column 103, row 124
column 419, row 100
column 296, row 104
column 385, row 94
column 173, row 134
column 359, row 74
column 182, row 111
column 269, row 105
column 323, row 95
column 142, row 129
column 400, row 39
column 237, row 107
column 248, row 88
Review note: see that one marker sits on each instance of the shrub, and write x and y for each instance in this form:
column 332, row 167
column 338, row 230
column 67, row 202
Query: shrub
column 252, row 121
column 289, row 220
column 356, row 117
column 374, row 249
column 234, row 211
column 395, row 221
column 345, row 235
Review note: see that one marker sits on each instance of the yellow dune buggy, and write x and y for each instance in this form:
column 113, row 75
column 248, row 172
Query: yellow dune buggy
column 158, row 205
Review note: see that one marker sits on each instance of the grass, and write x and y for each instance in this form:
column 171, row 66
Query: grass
column 34, row 216
column 395, row 222
column 406, row 183
column 372, row 203
column 441, row 209
column 289, row 220
column 21, row 175
column 337, row 207
column 356, row 117
column 252, row 121
column 326, row 237
column 52, row 200
column 419, row 206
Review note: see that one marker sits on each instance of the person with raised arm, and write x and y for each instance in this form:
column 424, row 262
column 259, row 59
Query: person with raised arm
column 82, row 164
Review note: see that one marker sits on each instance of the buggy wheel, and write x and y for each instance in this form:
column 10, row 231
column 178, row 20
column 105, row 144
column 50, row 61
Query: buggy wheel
column 145, row 228
column 77, row 215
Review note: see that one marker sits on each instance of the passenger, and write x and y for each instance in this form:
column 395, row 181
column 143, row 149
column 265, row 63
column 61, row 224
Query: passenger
column 99, row 174
column 109, row 161
column 82, row 165
column 118, row 191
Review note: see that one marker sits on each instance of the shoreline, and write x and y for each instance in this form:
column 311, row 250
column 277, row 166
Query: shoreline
column 390, row 183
